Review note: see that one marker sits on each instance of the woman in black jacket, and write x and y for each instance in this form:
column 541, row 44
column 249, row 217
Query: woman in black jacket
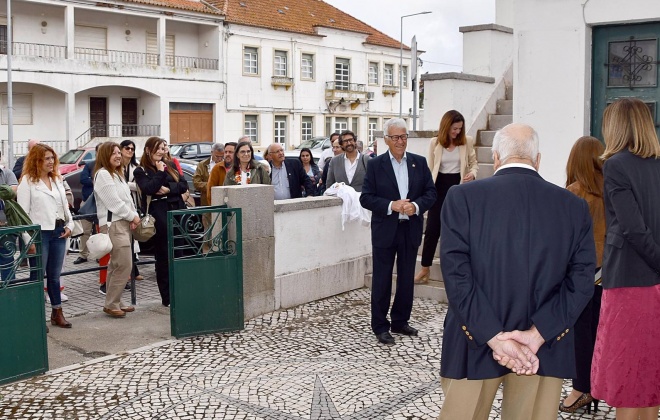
column 160, row 180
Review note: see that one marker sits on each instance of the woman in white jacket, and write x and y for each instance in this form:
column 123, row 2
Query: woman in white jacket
column 41, row 194
column 117, row 217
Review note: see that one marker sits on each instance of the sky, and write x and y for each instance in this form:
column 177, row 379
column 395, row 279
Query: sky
column 437, row 33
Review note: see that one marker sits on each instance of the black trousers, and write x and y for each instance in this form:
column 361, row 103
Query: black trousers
column 432, row 233
column 585, row 330
column 381, row 289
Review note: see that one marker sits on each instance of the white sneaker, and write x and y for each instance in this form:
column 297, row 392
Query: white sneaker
column 47, row 298
column 65, row 298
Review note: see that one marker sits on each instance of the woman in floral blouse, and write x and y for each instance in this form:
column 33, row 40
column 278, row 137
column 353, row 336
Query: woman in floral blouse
column 246, row 169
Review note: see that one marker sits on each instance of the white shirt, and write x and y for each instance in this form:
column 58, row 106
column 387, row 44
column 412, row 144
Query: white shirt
column 515, row 165
column 450, row 162
column 350, row 168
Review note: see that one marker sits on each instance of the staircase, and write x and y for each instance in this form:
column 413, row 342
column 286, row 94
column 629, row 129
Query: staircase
column 502, row 117
column 435, row 288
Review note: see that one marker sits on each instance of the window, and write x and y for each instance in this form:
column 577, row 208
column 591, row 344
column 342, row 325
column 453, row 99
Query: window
column 373, row 73
column 388, row 75
column 279, row 68
column 342, row 73
column 341, row 124
column 307, row 128
column 205, row 148
column 22, row 104
column 354, row 125
column 152, row 49
column 373, row 126
column 251, row 127
column 404, row 76
column 250, row 60
column 307, row 66
column 280, row 130
column 3, row 38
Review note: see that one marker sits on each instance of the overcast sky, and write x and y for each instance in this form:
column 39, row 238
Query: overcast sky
column 437, row 33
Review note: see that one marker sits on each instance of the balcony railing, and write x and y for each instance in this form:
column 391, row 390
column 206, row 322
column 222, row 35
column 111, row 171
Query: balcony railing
column 114, row 56
column 21, row 149
column 191, row 62
column 353, row 87
column 117, row 130
column 390, row 90
column 34, row 50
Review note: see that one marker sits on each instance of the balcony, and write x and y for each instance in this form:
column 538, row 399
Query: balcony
column 108, row 56
column 390, row 90
column 350, row 92
column 277, row 81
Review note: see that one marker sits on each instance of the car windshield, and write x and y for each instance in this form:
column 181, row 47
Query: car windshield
column 310, row 144
column 174, row 150
column 71, row 156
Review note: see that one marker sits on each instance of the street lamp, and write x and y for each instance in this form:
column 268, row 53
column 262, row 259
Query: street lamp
column 401, row 62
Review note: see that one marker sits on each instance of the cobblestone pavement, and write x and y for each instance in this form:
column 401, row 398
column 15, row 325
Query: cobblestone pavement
column 83, row 289
column 315, row 361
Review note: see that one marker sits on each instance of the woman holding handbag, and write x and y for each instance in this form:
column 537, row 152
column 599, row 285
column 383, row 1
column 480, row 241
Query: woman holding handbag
column 160, row 181
column 117, row 217
column 41, row 194
column 129, row 163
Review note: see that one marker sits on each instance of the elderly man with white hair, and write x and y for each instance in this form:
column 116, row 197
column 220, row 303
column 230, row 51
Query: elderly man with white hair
column 517, row 255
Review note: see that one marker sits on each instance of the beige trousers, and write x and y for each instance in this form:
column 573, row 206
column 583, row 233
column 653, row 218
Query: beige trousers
column 87, row 232
column 524, row 398
column 121, row 262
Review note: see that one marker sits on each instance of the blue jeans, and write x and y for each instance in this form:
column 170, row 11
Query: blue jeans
column 53, row 249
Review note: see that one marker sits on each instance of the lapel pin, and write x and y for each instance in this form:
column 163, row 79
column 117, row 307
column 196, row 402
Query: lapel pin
column 413, row 165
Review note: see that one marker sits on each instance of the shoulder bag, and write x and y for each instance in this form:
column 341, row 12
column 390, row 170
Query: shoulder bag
column 147, row 226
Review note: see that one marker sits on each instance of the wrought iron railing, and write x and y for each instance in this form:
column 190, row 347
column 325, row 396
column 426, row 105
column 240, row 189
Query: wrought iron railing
column 117, row 130
column 336, row 85
column 20, row 146
column 34, row 50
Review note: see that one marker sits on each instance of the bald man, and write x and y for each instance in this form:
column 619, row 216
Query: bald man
column 18, row 166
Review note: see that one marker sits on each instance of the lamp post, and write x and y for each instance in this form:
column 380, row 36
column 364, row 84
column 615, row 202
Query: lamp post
column 401, row 61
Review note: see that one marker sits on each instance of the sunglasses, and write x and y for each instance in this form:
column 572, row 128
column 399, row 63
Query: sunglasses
column 129, row 148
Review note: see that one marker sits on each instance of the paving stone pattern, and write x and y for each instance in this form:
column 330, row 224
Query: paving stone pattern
column 315, row 361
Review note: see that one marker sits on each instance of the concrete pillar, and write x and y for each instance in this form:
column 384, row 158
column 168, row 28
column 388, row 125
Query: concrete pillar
column 257, row 205
column 161, row 32
column 69, row 27
column 70, row 99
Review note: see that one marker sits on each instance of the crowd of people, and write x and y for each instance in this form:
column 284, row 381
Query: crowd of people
column 544, row 283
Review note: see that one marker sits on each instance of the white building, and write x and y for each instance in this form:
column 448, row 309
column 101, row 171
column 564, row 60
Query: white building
column 192, row 70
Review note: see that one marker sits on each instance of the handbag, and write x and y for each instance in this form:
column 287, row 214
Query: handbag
column 99, row 244
column 89, row 207
column 147, row 226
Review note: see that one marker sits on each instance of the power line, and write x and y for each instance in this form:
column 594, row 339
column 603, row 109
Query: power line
column 444, row 64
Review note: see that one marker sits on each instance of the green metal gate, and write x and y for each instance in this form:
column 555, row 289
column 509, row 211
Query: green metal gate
column 206, row 270
column 23, row 352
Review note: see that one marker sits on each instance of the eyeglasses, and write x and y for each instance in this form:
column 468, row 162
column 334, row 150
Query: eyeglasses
column 244, row 152
column 395, row 138
column 129, row 148
column 348, row 140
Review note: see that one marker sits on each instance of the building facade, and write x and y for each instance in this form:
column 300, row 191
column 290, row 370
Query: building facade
column 195, row 71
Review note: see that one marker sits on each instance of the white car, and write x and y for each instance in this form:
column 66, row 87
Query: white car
column 315, row 144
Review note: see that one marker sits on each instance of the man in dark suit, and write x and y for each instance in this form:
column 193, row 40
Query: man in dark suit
column 398, row 189
column 18, row 165
column 288, row 178
column 518, row 257
column 348, row 167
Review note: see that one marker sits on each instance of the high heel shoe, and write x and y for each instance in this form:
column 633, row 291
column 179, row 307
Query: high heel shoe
column 584, row 400
column 423, row 279
column 57, row 319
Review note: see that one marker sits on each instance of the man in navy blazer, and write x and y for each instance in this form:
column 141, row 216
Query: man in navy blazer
column 517, row 257
column 288, row 178
column 398, row 189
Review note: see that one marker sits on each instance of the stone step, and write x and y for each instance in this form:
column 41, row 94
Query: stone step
column 485, row 137
column 436, row 272
column 434, row 290
column 484, row 154
column 509, row 92
column 504, row 107
column 485, row 170
column 495, row 122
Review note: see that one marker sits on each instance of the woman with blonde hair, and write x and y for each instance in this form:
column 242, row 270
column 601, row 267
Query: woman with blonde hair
column 41, row 194
column 626, row 367
column 452, row 161
column 161, row 185
column 584, row 178
column 117, row 217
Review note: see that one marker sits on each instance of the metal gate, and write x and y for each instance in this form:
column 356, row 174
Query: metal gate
column 23, row 352
column 206, row 270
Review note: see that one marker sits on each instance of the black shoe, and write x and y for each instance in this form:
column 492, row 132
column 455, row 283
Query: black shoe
column 405, row 330
column 385, row 338
column 80, row 260
column 128, row 286
column 102, row 289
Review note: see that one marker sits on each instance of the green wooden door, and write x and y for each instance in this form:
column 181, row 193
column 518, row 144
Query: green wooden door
column 624, row 66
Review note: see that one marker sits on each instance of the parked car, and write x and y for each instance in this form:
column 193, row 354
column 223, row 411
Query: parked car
column 75, row 158
column 192, row 151
column 315, row 144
